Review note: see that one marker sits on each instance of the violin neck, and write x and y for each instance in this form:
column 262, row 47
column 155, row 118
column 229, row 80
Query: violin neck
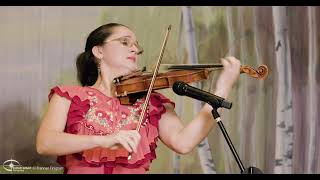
column 191, row 66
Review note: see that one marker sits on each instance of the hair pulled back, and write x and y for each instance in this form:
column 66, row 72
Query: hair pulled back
column 87, row 69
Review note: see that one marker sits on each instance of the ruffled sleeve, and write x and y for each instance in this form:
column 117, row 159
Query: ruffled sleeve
column 68, row 92
column 157, row 108
column 78, row 107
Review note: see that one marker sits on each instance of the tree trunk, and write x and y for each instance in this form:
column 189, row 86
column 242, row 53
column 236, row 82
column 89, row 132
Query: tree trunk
column 204, row 150
column 284, row 124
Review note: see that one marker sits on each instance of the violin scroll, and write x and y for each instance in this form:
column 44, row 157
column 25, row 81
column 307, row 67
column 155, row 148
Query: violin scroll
column 261, row 73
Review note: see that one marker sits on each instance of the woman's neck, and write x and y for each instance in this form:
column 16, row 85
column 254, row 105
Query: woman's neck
column 104, row 85
column 104, row 81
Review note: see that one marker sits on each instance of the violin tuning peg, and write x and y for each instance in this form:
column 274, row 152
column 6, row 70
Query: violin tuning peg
column 115, row 81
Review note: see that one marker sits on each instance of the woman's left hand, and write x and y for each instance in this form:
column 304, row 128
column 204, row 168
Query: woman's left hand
column 228, row 76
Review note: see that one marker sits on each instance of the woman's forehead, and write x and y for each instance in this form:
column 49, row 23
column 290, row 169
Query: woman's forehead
column 122, row 31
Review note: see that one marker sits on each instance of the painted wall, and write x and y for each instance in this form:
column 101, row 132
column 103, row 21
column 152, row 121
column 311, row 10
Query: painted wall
column 273, row 122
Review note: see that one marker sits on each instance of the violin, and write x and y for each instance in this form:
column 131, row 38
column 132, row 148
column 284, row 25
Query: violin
column 134, row 86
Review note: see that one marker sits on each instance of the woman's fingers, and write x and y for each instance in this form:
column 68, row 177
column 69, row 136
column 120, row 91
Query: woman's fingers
column 225, row 62
column 228, row 76
column 135, row 136
column 131, row 142
column 123, row 141
column 129, row 139
column 233, row 62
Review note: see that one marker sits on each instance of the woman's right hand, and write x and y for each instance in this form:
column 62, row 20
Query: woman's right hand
column 129, row 139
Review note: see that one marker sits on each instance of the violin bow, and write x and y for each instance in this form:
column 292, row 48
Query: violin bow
column 145, row 105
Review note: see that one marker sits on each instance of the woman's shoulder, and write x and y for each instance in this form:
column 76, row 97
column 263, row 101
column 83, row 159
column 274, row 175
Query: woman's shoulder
column 68, row 91
column 158, row 98
column 69, row 87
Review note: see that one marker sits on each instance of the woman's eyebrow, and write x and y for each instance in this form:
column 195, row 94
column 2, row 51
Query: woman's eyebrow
column 129, row 36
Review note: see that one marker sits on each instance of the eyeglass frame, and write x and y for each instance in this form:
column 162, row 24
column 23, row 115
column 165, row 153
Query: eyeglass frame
column 140, row 49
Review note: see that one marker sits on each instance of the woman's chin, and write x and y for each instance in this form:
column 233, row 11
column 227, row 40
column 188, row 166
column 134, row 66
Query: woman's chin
column 132, row 69
column 128, row 71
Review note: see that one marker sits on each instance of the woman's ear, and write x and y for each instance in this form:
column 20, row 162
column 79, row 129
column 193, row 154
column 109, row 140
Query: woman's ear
column 97, row 52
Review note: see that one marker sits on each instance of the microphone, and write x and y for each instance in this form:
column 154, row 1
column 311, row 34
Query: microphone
column 183, row 89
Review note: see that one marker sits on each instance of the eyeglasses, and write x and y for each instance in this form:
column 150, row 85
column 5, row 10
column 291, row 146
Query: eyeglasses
column 128, row 42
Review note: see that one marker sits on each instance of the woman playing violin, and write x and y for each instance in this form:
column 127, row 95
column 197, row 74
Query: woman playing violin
column 91, row 132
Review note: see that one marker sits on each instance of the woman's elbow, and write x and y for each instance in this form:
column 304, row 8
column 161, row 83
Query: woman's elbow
column 183, row 149
column 179, row 146
column 40, row 149
column 41, row 146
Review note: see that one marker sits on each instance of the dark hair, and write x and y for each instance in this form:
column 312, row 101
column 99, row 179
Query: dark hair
column 87, row 70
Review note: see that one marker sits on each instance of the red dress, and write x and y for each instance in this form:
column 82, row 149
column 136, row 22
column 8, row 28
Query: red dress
column 93, row 113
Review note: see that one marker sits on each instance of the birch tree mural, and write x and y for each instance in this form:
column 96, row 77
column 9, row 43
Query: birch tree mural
column 204, row 150
column 284, row 125
column 312, row 91
column 274, row 123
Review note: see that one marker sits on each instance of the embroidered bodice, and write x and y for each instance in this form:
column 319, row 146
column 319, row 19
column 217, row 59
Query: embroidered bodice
column 93, row 113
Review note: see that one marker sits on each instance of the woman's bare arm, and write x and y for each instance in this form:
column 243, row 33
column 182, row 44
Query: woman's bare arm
column 183, row 139
column 51, row 140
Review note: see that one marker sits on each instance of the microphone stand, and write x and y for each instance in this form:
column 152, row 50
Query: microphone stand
column 243, row 170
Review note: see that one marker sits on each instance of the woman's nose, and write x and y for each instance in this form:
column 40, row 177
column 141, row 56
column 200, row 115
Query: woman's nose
column 134, row 48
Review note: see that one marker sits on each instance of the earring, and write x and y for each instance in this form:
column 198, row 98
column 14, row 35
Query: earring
column 99, row 66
